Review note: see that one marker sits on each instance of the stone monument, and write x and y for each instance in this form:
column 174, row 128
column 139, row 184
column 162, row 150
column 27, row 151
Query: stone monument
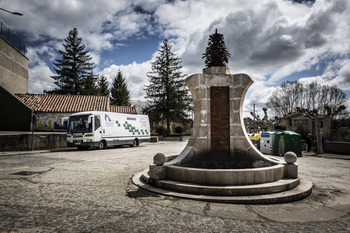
column 219, row 162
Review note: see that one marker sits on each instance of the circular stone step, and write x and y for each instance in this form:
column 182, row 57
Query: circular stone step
column 299, row 192
column 233, row 190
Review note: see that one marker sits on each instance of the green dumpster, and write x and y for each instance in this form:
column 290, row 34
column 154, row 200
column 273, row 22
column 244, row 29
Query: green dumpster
column 287, row 141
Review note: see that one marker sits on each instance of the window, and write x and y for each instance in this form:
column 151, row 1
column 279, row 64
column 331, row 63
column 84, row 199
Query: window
column 79, row 124
column 300, row 122
column 97, row 122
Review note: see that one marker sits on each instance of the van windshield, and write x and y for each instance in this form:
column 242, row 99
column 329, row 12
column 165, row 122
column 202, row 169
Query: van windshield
column 80, row 124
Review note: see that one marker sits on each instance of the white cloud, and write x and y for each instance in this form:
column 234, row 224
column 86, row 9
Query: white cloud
column 95, row 58
column 275, row 37
column 135, row 75
column 39, row 78
column 98, row 22
column 344, row 75
column 39, row 72
column 35, row 55
column 97, row 42
column 337, row 73
column 309, row 80
column 267, row 39
column 348, row 104
column 258, row 94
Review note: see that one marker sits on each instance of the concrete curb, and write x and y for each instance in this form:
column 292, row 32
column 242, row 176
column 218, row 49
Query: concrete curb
column 12, row 153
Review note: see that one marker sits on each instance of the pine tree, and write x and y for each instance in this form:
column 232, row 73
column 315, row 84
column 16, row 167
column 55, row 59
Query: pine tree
column 167, row 93
column 74, row 68
column 216, row 53
column 103, row 89
column 119, row 91
column 89, row 85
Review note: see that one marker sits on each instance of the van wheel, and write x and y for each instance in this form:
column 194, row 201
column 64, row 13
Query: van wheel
column 135, row 143
column 102, row 145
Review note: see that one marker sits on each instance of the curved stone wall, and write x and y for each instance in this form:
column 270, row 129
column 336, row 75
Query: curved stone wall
column 225, row 176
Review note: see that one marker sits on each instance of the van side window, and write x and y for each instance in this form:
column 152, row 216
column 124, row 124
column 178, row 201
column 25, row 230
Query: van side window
column 97, row 122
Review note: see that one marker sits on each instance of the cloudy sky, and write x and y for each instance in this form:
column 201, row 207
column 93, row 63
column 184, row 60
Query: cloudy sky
column 270, row 40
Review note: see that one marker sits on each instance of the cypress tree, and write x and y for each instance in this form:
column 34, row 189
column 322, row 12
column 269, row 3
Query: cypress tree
column 74, row 70
column 167, row 93
column 119, row 91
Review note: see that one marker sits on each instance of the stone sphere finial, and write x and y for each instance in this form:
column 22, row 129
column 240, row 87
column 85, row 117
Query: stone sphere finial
column 159, row 159
column 290, row 157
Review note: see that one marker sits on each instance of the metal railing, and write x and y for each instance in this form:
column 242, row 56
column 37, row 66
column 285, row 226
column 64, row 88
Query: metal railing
column 11, row 38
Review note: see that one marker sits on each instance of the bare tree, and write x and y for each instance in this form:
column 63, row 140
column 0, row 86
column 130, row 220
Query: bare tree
column 286, row 98
column 292, row 95
column 139, row 105
column 264, row 120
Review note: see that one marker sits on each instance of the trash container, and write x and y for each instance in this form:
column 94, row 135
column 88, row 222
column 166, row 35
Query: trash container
column 287, row 141
column 255, row 138
column 267, row 141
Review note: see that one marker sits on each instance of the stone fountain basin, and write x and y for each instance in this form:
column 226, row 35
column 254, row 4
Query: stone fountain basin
column 219, row 177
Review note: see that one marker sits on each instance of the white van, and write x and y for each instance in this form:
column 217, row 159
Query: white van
column 103, row 129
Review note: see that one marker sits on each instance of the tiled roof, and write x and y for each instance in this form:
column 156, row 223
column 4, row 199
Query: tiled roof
column 123, row 109
column 292, row 115
column 71, row 103
column 64, row 103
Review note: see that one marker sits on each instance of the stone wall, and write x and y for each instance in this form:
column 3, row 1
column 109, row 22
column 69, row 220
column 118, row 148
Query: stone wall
column 13, row 69
column 331, row 147
column 174, row 138
column 22, row 141
column 51, row 122
column 337, row 147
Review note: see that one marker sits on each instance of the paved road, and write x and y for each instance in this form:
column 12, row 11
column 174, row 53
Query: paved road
column 91, row 191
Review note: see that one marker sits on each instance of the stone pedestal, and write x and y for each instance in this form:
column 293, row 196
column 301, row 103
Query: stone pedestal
column 218, row 130
column 156, row 172
column 217, row 70
column 291, row 171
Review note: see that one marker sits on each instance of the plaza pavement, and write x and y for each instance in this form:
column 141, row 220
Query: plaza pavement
column 91, row 191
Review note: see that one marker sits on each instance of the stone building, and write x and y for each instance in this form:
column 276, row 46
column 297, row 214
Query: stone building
column 297, row 122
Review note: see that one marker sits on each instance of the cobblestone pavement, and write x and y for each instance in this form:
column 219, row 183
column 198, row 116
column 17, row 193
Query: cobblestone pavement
column 91, row 191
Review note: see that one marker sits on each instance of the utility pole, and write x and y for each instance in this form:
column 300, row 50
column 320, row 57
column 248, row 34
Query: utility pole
column 254, row 115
